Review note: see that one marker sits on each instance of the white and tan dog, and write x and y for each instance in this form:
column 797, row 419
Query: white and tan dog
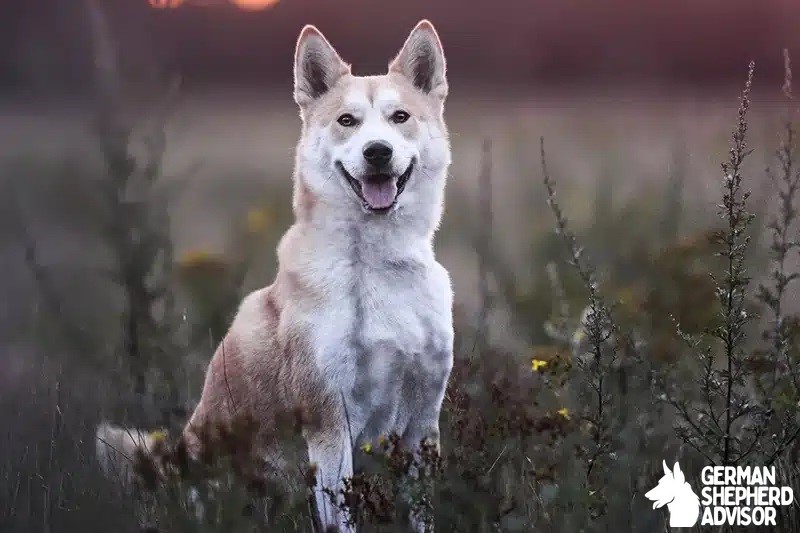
column 357, row 327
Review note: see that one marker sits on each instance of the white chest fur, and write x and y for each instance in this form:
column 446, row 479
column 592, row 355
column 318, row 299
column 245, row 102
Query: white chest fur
column 383, row 336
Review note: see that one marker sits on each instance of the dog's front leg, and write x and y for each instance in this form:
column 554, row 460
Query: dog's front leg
column 331, row 454
column 422, row 438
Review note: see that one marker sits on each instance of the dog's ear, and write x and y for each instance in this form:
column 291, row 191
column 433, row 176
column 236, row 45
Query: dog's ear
column 422, row 60
column 678, row 473
column 317, row 66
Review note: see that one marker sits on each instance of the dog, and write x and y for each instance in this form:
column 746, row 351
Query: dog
column 356, row 330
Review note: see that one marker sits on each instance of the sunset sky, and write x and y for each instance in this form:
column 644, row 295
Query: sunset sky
column 504, row 41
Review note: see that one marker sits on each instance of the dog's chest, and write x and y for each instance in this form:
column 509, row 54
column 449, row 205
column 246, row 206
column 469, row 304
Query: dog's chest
column 388, row 341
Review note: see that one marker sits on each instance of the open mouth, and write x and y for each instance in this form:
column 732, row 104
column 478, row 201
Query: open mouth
column 379, row 192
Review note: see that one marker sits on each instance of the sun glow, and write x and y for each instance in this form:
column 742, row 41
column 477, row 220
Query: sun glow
column 247, row 5
column 165, row 4
column 253, row 5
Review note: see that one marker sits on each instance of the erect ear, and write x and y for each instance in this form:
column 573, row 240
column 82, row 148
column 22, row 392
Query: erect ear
column 421, row 60
column 676, row 471
column 317, row 66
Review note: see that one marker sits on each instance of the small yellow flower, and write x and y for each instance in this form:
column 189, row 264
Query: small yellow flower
column 564, row 412
column 198, row 258
column 366, row 447
column 536, row 364
column 257, row 220
column 158, row 435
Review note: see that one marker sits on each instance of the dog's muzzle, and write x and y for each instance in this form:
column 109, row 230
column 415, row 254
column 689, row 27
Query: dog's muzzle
column 378, row 192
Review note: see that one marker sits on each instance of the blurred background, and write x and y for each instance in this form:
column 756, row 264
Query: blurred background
column 623, row 87
column 146, row 151
column 517, row 44
column 629, row 94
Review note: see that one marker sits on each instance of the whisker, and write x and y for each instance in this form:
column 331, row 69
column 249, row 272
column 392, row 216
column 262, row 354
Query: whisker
column 328, row 178
column 429, row 172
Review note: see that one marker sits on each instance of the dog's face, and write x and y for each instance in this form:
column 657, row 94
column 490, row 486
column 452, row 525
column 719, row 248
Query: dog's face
column 377, row 143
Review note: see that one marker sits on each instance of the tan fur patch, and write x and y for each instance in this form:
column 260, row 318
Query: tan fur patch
column 257, row 374
column 306, row 201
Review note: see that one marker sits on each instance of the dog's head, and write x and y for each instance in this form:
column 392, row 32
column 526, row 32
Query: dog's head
column 373, row 144
column 671, row 486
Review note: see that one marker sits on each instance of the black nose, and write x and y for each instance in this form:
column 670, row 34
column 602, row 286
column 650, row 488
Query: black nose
column 377, row 153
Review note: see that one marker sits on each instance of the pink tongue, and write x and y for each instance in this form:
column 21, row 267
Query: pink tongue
column 379, row 195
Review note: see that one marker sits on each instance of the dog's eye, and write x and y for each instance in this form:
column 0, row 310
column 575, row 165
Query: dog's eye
column 400, row 116
column 347, row 120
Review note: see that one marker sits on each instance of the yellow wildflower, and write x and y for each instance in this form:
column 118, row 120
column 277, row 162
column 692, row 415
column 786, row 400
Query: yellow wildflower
column 366, row 447
column 564, row 412
column 536, row 364
column 198, row 258
column 257, row 220
column 158, row 435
